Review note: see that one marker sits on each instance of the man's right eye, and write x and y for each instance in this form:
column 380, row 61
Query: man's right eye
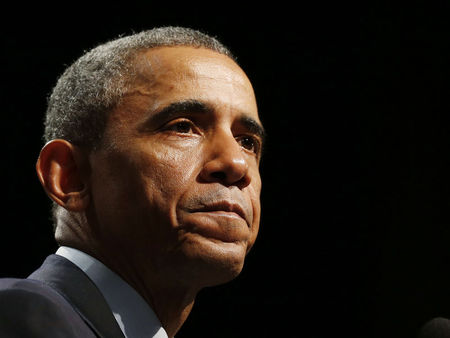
column 183, row 127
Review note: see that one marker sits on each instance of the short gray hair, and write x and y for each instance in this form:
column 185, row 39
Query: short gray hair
column 91, row 87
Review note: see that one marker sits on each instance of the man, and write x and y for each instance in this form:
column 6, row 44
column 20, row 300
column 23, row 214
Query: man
column 152, row 161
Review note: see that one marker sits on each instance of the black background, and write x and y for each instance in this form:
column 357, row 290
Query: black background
column 355, row 231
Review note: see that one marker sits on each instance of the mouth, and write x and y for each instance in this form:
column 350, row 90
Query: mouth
column 222, row 219
column 223, row 208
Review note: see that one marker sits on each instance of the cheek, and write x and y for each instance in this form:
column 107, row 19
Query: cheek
column 254, row 190
column 141, row 188
column 169, row 172
column 255, row 193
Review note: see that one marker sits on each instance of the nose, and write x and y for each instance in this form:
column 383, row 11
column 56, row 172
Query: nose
column 225, row 162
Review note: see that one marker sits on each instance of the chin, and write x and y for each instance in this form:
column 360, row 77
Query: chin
column 212, row 262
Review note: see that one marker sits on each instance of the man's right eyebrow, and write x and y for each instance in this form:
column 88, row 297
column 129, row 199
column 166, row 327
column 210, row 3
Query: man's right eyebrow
column 175, row 109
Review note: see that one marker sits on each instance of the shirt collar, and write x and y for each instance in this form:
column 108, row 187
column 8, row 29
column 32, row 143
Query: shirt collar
column 134, row 316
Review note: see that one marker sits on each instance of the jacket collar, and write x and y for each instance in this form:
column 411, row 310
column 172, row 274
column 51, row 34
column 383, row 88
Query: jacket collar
column 67, row 279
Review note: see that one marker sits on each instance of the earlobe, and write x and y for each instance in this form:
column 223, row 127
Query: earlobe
column 62, row 171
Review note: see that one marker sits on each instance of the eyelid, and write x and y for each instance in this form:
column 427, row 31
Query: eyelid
column 172, row 123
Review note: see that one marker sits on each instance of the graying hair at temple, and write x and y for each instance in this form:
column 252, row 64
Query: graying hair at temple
column 94, row 84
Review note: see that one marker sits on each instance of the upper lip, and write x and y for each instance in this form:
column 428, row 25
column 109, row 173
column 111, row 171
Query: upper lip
column 223, row 206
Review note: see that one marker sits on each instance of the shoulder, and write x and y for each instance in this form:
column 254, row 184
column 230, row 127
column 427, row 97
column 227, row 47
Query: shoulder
column 28, row 295
column 30, row 308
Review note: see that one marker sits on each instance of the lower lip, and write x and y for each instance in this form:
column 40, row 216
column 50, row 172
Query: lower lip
column 220, row 225
column 220, row 213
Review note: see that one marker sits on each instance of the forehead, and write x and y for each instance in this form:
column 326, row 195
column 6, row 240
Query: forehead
column 182, row 73
column 192, row 61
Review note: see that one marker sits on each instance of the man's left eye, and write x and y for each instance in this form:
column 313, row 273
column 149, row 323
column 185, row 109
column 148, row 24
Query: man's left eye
column 249, row 143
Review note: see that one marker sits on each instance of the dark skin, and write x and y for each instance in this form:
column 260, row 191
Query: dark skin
column 170, row 200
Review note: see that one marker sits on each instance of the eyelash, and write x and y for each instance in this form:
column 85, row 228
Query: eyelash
column 187, row 127
column 178, row 125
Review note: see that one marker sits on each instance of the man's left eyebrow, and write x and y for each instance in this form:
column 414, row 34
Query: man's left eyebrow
column 253, row 126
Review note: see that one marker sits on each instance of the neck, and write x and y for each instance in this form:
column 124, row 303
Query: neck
column 172, row 307
column 171, row 301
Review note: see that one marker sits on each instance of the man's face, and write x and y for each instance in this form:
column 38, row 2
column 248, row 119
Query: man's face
column 175, row 184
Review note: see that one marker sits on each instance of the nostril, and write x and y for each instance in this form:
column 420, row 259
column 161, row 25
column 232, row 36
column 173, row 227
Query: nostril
column 223, row 178
column 219, row 175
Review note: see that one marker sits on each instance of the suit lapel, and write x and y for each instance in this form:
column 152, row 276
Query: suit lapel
column 64, row 276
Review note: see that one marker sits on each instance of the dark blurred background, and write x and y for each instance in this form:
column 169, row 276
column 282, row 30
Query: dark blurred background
column 355, row 227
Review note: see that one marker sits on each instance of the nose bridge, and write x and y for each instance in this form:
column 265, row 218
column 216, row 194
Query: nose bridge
column 226, row 160
column 225, row 147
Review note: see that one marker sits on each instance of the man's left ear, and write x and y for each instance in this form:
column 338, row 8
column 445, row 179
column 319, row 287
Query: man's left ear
column 63, row 170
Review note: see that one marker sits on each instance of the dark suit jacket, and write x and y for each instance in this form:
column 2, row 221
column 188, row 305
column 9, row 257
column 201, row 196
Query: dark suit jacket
column 57, row 300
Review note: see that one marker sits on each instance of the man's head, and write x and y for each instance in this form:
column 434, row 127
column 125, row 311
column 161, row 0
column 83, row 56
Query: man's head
column 160, row 177
column 88, row 89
